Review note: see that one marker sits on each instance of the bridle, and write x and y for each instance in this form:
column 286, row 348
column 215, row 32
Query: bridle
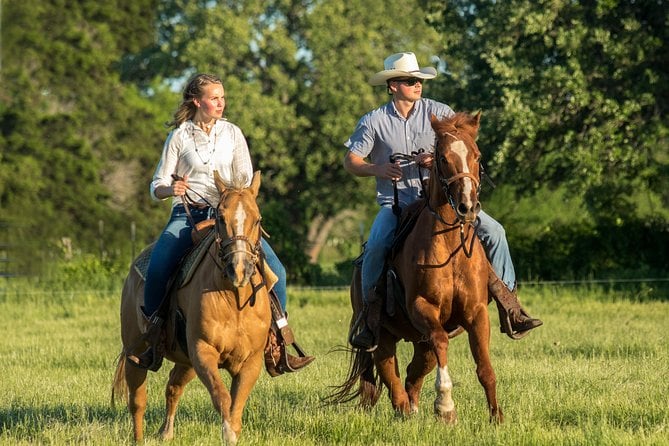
column 445, row 182
column 250, row 249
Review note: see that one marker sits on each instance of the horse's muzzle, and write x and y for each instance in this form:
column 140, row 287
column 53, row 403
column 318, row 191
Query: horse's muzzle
column 467, row 211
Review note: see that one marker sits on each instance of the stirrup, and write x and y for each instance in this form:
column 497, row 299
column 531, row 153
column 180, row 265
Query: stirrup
column 152, row 361
column 361, row 336
column 507, row 328
column 277, row 359
column 150, row 358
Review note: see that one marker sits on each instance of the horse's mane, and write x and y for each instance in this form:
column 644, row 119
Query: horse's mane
column 238, row 182
column 460, row 122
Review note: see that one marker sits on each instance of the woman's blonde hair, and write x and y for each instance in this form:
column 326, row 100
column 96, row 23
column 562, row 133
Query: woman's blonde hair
column 193, row 90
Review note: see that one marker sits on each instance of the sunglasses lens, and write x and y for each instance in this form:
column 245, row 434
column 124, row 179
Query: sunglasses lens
column 410, row 82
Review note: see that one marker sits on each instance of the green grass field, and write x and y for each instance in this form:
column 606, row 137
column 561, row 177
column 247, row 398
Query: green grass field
column 597, row 373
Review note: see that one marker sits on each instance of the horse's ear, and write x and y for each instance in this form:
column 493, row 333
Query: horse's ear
column 219, row 182
column 433, row 118
column 255, row 183
column 476, row 119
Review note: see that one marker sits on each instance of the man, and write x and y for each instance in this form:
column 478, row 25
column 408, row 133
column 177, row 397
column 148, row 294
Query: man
column 403, row 125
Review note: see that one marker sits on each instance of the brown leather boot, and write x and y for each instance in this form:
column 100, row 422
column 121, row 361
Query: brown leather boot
column 367, row 336
column 151, row 358
column 278, row 361
column 514, row 320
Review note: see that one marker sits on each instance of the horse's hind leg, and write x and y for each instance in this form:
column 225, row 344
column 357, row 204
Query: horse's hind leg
column 386, row 363
column 479, row 344
column 136, row 380
column 180, row 375
column 421, row 364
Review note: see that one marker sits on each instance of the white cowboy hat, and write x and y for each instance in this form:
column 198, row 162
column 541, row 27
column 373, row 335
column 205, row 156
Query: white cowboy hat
column 401, row 65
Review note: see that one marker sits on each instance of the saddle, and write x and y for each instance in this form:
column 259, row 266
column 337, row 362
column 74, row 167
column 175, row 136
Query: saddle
column 280, row 335
column 394, row 296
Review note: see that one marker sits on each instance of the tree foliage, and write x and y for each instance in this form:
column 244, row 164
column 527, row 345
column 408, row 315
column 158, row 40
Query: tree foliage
column 574, row 92
column 574, row 96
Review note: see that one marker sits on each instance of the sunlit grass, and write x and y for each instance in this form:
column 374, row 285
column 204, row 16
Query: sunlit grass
column 597, row 373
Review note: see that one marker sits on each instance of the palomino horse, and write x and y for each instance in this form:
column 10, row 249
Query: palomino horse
column 227, row 312
column 444, row 271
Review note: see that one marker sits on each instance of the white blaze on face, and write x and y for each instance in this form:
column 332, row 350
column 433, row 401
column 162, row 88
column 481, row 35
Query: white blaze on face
column 460, row 149
column 240, row 219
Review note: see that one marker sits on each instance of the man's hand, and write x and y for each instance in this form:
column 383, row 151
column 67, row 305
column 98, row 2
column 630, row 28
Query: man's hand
column 389, row 171
column 424, row 159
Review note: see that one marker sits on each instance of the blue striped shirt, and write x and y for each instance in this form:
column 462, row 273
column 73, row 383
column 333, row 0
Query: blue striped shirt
column 384, row 131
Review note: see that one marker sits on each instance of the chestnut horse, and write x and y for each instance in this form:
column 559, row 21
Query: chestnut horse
column 227, row 312
column 444, row 272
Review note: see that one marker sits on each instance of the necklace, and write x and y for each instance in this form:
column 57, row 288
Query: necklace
column 206, row 127
column 210, row 151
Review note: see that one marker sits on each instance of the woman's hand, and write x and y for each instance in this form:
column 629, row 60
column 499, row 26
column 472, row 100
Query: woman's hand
column 179, row 185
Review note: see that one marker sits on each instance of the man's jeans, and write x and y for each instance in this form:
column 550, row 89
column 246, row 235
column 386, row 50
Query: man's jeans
column 491, row 233
column 172, row 245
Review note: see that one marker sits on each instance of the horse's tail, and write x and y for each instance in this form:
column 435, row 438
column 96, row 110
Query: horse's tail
column 119, row 386
column 362, row 371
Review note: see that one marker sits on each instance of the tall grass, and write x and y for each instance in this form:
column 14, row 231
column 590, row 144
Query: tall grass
column 597, row 373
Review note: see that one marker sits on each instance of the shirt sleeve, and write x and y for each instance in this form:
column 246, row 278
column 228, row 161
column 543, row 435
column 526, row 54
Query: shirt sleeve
column 166, row 166
column 241, row 158
column 361, row 142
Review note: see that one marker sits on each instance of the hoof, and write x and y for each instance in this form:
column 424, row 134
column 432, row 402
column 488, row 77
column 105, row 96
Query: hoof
column 496, row 416
column 450, row 418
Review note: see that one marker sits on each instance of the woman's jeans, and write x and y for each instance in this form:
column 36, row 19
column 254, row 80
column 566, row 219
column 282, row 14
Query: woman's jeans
column 174, row 242
column 491, row 233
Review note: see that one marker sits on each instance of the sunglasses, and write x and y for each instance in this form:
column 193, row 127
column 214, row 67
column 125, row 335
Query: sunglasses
column 410, row 82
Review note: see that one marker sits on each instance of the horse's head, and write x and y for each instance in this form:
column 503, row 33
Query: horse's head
column 456, row 163
column 238, row 228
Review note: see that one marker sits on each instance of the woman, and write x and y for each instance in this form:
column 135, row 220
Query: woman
column 201, row 142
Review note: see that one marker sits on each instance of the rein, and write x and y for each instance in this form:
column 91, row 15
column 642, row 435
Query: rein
column 254, row 250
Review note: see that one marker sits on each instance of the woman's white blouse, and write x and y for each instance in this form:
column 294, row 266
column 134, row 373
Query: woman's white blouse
column 188, row 150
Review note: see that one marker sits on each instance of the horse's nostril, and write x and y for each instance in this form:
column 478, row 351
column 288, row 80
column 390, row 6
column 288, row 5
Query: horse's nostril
column 462, row 209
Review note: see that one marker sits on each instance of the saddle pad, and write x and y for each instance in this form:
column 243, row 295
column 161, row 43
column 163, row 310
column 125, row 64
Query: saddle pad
column 188, row 264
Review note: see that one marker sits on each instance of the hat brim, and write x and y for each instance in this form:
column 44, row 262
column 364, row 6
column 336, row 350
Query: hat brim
column 381, row 77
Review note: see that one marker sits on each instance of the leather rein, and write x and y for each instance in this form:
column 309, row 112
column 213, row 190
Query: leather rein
column 250, row 249
column 445, row 182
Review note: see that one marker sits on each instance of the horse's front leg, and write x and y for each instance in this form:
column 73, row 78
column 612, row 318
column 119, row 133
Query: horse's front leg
column 421, row 364
column 241, row 386
column 444, row 406
column 479, row 344
column 205, row 362
column 386, row 363
column 180, row 375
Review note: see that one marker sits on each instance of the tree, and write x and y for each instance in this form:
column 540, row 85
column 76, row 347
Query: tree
column 68, row 124
column 574, row 92
column 295, row 90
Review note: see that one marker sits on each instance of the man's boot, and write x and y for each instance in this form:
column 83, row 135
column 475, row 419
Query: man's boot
column 514, row 320
column 365, row 332
column 151, row 358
